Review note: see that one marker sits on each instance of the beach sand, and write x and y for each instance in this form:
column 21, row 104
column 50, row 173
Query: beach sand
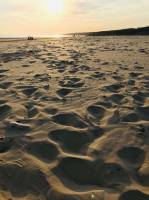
column 74, row 119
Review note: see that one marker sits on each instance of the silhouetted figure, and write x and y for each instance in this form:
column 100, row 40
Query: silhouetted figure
column 30, row 38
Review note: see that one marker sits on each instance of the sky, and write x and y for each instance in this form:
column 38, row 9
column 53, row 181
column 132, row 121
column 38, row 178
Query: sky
column 46, row 17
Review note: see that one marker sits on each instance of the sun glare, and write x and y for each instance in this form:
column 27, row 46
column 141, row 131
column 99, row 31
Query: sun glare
column 56, row 6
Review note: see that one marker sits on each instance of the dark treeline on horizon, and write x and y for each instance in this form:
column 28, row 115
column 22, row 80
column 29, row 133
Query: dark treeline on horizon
column 129, row 31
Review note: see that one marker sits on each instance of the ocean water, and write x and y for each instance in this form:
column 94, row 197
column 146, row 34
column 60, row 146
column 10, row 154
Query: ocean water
column 22, row 38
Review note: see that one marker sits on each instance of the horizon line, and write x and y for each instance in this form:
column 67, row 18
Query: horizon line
column 9, row 36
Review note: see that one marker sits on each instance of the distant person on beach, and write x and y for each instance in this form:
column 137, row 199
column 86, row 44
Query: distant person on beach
column 30, row 38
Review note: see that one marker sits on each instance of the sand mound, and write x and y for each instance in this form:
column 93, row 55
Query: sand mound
column 97, row 195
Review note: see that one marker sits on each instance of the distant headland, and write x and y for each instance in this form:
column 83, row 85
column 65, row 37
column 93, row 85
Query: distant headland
column 120, row 32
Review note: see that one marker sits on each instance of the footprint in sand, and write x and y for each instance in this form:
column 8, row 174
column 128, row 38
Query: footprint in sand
column 135, row 74
column 132, row 156
column 34, row 180
column 71, row 83
column 76, row 169
column 130, row 117
column 131, row 82
column 51, row 111
column 42, row 77
column 5, row 144
column 96, row 111
column 17, row 128
column 33, row 112
column 43, row 150
column 64, row 92
column 2, row 101
column 134, row 195
column 5, row 111
column 97, row 75
column 3, row 76
column 84, row 68
column 144, row 112
column 25, row 65
column 98, row 172
column 3, row 71
column 140, row 97
column 143, row 174
column 115, row 98
column 32, row 61
column 73, row 70
column 114, row 87
column 69, row 139
column 137, row 67
column 5, row 85
column 70, row 119
column 29, row 90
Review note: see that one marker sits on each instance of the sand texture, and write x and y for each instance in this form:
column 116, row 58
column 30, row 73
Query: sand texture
column 74, row 119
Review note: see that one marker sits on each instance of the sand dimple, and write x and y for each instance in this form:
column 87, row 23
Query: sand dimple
column 71, row 83
column 3, row 71
column 51, row 111
column 98, row 173
column 134, row 195
column 143, row 175
column 116, row 98
column 5, row 144
column 29, row 91
column 132, row 155
column 33, row 112
column 4, row 111
column 114, row 87
column 64, row 92
column 97, row 111
column 43, row 150
column 5, row 85
column 77, row 169
column 16, row 127
column 21, row 181
column 130, row 117
column 70, row 119
column 144, row 112
column 70, row 140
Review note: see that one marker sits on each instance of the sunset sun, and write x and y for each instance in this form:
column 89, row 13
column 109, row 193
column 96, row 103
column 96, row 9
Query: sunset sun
column 56, row 6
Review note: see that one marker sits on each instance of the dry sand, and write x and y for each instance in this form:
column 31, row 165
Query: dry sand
column 74, row 119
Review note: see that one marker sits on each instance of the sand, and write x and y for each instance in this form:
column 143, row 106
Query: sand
column 74, row 119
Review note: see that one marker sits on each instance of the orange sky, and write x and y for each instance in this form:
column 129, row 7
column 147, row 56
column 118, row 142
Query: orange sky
column 45, row 17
